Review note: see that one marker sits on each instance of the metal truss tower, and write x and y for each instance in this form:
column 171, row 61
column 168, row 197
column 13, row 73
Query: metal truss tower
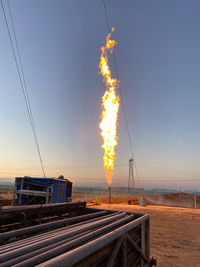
column 131, row 179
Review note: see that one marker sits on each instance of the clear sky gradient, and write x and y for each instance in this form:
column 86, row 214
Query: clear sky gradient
column 158, row 60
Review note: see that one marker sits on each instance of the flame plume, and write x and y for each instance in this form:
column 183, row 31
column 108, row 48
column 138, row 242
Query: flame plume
column 110, row 103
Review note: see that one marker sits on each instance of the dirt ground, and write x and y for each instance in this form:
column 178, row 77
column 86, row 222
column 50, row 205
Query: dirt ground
column 175, row 233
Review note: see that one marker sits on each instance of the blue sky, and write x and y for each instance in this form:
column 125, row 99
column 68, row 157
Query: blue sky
column 158, row 61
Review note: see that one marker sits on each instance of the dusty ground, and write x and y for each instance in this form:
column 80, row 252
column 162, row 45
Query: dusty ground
column 175, row 233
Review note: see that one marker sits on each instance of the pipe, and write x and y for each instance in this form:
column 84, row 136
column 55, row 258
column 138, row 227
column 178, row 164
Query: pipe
column 109, row 194
column 36, row 252
column 44, row 236
column 61, row 247
column 52, row 240
column 40, row 237
column 30, row 208
column 76, row 255
column 111, row 211
column 74, row 243
column 56, row 238
column 44, row 226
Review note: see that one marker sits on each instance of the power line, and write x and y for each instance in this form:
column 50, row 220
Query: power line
column 117, row 75
column 25, row 91
column 123, row 106
column 22, row 79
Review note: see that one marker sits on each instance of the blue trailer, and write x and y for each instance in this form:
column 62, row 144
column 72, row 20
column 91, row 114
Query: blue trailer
column 31, row 190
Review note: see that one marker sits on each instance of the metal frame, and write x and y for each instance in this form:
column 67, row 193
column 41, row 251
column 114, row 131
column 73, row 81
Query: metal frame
column 100, row 238
column 50, row 190
column 120, row 234
column 48, row 193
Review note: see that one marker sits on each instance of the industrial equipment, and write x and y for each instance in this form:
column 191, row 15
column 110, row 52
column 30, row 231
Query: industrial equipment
column 87, row 237
column 30, row 191
column 48, row 233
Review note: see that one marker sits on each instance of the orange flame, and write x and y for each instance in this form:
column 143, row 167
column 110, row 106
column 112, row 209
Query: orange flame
column 110, row 103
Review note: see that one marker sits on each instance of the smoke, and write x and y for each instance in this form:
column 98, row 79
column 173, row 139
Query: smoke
column 185, row 200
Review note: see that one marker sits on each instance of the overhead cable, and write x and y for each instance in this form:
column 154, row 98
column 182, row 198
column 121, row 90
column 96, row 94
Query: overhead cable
column 22, row 79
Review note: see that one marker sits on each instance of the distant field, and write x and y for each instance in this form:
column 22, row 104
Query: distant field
column 6, row 194
column 119, row 195
column 181, row 199
column 5, row 189
column 185, row 200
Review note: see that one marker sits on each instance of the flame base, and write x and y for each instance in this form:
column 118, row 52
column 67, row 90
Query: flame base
column 109, row 175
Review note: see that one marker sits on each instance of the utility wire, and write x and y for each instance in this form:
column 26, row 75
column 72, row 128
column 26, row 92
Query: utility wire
column 123, row 106
column 25, row 91
column 22, row 79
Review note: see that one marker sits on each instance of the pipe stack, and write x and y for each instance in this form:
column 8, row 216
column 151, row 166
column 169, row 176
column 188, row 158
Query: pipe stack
column 53, row 240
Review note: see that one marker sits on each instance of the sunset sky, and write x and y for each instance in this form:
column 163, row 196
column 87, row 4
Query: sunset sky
column 158, row 59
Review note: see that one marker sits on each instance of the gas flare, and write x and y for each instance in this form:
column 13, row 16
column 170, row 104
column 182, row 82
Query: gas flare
column 110, row 103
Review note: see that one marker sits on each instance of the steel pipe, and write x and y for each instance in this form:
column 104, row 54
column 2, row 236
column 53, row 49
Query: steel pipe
column 36, row 252
column 41, row 255
column 40, row 237
column 52, row 240
column 74, row 256
column 29, row 208
column 44, row 226
column 74, row 243
column 109, row 194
